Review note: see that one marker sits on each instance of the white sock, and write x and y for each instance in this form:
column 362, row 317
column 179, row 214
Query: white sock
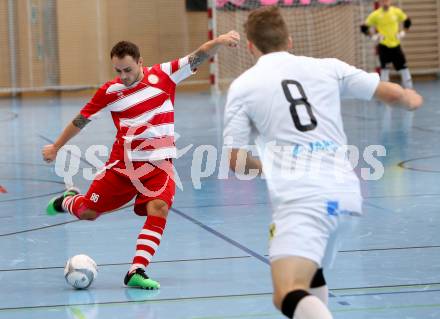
column 385, row 75
column 311, row 307
column 406, row 78
column 321, row 293
column 134, row 267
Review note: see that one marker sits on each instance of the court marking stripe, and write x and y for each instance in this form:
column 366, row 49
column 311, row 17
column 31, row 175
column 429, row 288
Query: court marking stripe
column 388, row 293
column 387, row 308
column 424, row 129
column 129, row 263
column 30, row 197
column 341, row 251
column 233, row 242
column 227, row 205
column 387, row 249
column 11, row 116
column 221, row 236
column 366, row 309
column 207, row 298
column 138, row 301
column 38, row 228
column 379, row 288
column 55, row 225
column 382, row 287
column 403, row 164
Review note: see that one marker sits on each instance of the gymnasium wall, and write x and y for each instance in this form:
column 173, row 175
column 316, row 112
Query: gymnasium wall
column 67, row 43
column 422, row 44
column 4, row 46
column 88, row 29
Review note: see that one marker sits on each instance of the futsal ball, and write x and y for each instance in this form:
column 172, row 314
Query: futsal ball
column 80, row 271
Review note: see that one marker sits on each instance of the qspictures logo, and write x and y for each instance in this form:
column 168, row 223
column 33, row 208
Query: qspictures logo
column 293, row 162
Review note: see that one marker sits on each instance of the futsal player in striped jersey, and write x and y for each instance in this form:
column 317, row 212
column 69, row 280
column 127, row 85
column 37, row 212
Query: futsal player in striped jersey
column 141, row 102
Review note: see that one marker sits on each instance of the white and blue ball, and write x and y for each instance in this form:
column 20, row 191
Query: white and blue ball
column 80, row 271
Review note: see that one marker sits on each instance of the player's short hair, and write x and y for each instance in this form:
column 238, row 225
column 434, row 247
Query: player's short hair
column 266, row 28
column 123, row 48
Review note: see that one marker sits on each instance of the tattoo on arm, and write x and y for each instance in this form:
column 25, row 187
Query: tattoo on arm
column 80, row 121
column 196, row 58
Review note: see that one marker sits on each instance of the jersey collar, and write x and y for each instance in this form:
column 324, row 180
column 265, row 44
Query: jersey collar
column 271, row 56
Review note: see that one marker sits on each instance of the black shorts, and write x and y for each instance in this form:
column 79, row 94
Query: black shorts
column 391, row 55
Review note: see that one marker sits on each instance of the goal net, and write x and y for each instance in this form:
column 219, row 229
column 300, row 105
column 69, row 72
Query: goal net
column 319, row 28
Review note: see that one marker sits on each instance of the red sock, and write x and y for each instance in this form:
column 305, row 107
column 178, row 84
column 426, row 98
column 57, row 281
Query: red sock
column 74, row 205
column 148, row 241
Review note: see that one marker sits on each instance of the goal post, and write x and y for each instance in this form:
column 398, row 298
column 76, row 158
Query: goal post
column 319, row 28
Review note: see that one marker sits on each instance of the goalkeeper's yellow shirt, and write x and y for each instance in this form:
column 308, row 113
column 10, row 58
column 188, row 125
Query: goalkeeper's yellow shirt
column 387, row 24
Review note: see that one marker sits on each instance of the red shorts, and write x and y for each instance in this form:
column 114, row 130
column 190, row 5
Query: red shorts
column 113, row 188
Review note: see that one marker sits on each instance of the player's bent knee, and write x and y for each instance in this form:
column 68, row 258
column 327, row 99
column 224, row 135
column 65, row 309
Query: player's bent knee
column 290, row 301
column 157, row 207
column 89, row 215
column 277, row 299
column 280, row 293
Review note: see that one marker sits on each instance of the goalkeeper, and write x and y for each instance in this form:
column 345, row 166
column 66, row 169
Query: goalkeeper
column 387, row 19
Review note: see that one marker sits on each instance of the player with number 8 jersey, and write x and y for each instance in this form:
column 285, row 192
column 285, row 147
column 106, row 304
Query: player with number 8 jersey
column 292, row 104
column 298, row 119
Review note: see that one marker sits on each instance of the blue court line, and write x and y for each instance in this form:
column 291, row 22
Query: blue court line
column 212, row 231
column 225, row 205
column 38, row 228
column 189, row 299
column 424, row 284
column 425, row 129
column 11, row 116
column 224, row 237
column 388, row 293
column 390, row 248
column 179, row 299
column 31, row 197
column 235, row 243
column 361, row 117
column 129, row 263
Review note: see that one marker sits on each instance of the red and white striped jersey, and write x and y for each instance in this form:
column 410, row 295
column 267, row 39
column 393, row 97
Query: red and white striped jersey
column 143, row 113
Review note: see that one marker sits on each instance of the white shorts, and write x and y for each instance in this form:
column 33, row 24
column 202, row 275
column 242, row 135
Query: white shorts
column 311, row 227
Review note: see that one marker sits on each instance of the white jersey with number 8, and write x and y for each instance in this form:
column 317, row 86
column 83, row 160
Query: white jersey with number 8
column 293, row 104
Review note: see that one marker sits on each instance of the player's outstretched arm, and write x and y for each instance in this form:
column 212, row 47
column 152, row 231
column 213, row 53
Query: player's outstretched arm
column 50, row 151
column 394, row 94
column 210, row 48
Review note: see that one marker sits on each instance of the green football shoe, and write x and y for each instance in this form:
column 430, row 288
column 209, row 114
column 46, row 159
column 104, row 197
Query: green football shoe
column 139, row 279
column 55, row 205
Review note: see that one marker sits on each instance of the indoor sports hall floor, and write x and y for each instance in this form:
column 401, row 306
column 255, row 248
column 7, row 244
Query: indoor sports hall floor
column 212, row 262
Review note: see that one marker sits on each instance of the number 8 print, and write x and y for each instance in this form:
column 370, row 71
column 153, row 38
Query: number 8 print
column 295, row 102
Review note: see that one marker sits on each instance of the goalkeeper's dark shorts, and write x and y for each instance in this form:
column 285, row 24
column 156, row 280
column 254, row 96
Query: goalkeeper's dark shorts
column 391, row 55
